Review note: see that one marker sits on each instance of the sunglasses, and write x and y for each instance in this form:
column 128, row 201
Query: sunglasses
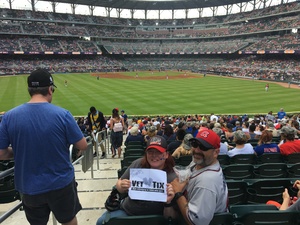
column 53, row 89
column 196, row 144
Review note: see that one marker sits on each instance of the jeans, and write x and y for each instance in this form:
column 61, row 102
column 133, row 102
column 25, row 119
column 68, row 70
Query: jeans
column 108, row 215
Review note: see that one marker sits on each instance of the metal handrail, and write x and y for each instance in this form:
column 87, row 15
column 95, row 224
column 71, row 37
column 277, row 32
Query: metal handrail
column 97, row 144
column 7, row 172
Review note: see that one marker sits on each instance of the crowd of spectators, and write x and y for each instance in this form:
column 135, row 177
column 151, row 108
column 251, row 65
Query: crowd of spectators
column 94, row 26
column 242, row 16
column 60, row 65
column 275, row 43
column 30, row 44
column 253, row 67
column 233, row 129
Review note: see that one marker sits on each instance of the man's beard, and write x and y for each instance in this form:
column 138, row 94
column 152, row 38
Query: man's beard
column 203, row 162
column 200, row 162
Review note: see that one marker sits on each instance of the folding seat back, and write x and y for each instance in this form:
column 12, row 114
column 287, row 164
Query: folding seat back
column 263, row 190
column 184, row 160
column 238, row 171
column 269, row 217
column 225, row 218
column 224, row 160
column 244, row 159
column 237, row 192
column 294, row 170
column 138, row 220
column 293, row 158
column 271, row 170
column 270, row 158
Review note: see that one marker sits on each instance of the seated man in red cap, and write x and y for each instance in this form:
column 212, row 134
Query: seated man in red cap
column 205, row 192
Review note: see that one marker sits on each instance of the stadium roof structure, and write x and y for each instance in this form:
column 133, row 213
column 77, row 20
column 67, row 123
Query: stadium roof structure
column 153, row 4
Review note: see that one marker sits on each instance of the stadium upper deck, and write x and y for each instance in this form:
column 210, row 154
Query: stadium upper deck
column 44, row 32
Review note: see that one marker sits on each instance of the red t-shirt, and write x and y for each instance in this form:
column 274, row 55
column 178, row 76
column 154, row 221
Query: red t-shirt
column 290, row 147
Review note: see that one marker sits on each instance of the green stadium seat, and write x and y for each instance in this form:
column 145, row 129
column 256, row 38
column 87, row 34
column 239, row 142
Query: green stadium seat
column 128, row 160
column 293, row 158
column 294, row 170
column 134, row 152
column 239, row 211
column 224, row 160
column 225, row 218
column 244, row 159
column 238, row 171
column 263, row 190
column 184, row 160
column 269, row 217
column 138, row 220
column 271, row 170
column 237, row 192
column 270, row 158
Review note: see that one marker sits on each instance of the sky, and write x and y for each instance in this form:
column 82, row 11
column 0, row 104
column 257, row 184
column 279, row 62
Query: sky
column 139, row 14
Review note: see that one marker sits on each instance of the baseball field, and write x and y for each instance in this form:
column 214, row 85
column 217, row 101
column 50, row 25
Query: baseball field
column 157, row 93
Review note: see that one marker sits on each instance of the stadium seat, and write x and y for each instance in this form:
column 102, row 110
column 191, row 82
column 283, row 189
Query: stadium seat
column 131, row 147
column 271, row 170
column 134, row 152
column 294, row 170
column 7, row 190
column 184, row 160
column 6, row 164
column 135, row 143
column 293, row 158
column 276, row 139
column 138, row 220
column 128, row 160
column 225, row 218
column 121, row 171
column 238, row 171
column 239, row 211
column 269, row 217
column 263, row 190
column 270, row 158
column 253, row 142
column 244, row 159
column 224, row 159
column 237, row 192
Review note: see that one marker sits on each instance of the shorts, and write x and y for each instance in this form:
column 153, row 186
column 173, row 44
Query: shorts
column 117, row 139
column 64, row 203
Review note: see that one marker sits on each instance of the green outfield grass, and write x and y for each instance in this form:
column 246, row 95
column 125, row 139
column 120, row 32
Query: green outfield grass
column 201, row 95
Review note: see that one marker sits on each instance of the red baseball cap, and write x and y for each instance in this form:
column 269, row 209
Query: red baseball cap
column 208, row 138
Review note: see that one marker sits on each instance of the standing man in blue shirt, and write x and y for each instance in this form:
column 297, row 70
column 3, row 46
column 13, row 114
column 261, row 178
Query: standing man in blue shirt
column 37, row 135
column 281, row 114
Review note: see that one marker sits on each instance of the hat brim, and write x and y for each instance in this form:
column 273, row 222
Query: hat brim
column 157, row 147
column 203, row 142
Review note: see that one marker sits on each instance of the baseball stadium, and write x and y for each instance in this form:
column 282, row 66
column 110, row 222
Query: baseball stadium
column 169, row 62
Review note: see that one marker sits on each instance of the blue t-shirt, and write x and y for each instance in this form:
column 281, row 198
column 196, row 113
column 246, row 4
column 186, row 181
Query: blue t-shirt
column 266, row 148
column 40, row 135
column 281, row 115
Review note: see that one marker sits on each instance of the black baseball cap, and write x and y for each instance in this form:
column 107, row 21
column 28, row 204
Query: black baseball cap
column 40, row 78
column 157, row 142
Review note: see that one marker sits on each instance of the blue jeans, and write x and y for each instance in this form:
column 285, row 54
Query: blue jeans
column 108, row 215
